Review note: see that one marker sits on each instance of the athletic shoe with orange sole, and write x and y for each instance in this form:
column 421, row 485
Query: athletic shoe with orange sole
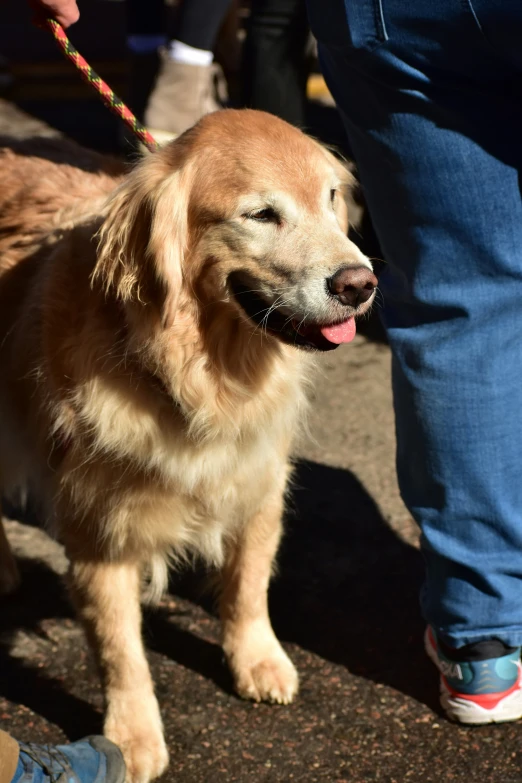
column 479, row 683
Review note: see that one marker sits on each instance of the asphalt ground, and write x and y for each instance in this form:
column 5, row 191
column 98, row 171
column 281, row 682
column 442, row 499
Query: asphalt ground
column 344, row 601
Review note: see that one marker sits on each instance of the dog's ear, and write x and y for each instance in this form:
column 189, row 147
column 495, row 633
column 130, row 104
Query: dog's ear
column 144, row 236
column 348, row 210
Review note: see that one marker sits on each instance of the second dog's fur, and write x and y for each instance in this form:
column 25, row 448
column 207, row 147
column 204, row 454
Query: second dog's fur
column 156, row 335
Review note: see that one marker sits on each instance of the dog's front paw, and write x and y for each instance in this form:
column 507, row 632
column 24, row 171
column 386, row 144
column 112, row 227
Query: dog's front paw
column 262, row 671
column 271, row 679
column 135, row 726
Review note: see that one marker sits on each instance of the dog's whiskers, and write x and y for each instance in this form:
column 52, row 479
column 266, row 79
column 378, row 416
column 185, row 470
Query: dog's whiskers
column 275, row 304
column 379, row 298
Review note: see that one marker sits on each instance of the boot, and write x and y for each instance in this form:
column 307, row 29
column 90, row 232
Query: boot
column 182, row 94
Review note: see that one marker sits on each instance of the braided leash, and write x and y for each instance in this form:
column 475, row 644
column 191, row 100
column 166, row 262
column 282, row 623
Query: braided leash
column 109, row 98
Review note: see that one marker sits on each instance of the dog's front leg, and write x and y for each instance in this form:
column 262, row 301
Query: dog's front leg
column 261, row 669
column 107, row 598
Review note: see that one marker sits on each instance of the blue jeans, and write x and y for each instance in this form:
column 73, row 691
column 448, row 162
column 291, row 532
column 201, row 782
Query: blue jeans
column 431, row 96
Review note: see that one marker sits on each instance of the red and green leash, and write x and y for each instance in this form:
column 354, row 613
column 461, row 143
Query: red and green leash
column 107, row 95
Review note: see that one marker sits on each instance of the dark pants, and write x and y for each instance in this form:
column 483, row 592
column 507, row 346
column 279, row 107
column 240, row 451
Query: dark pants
column 274, row 66
column 197, row 22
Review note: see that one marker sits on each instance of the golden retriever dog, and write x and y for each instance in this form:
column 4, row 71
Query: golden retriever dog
column 157, row 333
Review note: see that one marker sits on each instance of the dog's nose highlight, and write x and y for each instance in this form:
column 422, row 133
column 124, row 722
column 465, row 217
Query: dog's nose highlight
column 352, row 285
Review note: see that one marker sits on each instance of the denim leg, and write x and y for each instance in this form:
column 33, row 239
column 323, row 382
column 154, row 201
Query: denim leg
column 431, row 95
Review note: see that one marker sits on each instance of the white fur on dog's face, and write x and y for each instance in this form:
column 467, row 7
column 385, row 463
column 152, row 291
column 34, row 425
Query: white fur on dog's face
column 288, row 250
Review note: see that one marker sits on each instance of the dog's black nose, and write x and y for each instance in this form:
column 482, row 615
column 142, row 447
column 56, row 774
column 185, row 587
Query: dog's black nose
column 352, row 285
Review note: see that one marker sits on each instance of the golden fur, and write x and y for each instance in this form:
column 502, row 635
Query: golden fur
column 139, row 402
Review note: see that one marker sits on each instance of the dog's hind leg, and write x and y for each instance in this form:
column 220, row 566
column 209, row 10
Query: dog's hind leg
column 107, row 596
column 9, row 575
column 261, row 669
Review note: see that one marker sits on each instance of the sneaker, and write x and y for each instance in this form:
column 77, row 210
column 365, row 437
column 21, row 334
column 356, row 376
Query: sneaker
column 479, row 683
column 91, row 760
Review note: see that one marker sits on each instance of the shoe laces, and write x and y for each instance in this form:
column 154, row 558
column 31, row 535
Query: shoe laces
column 38, row 754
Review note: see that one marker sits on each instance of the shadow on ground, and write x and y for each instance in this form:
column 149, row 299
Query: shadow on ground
column 346, row 589
column 42, row 596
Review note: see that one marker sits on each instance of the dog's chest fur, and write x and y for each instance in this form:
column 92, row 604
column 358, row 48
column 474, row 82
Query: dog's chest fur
column 167, row 491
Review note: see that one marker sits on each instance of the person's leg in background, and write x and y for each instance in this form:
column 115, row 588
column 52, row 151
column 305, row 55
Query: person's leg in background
column 92, row 760
column 431, row 95
column 184, row 89
column 275, row 69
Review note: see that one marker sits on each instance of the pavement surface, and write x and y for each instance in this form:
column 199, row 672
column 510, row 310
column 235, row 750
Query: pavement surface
column 344, row 603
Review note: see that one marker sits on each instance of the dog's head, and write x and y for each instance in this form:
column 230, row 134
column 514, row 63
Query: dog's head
column 241, row 220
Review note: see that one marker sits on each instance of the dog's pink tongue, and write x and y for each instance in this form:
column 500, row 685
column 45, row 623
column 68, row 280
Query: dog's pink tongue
column 340, row 333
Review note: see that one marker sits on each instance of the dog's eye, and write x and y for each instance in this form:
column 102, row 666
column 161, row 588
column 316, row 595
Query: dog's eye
column 333, row 194
column 266, row 215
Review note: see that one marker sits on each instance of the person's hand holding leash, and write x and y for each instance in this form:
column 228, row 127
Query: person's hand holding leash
column 65, row 12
